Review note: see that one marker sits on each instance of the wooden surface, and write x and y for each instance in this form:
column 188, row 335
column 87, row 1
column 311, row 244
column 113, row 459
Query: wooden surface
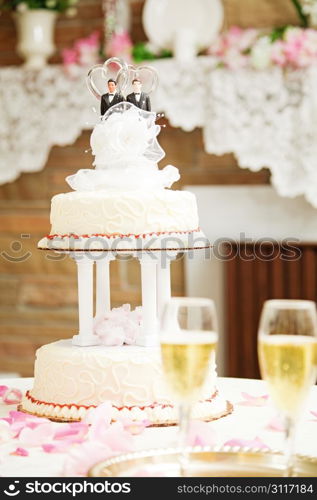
column 258, row 273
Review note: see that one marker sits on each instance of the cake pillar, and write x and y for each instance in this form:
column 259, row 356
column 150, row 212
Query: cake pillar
column 103, row 303
column 149, row 333
column 163, row 284
column 85, row 267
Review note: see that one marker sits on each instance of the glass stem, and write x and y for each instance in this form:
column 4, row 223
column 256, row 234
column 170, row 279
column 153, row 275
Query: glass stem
column 184, row 419
column 289, row 446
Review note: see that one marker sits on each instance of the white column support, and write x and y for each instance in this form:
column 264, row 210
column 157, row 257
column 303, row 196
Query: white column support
column 149, row 334
column 103, row 302
column 85, row 337
column 163, row 284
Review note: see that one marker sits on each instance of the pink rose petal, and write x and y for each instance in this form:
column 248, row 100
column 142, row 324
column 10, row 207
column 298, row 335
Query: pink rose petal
column 60, row 446
column 3, row 390
column 21, row 452
column 99, row 419
column 132, row 426
column 116, row 438
column 253, row 400
column 201, row 434
column 76, row 430
column 12, row 397
column 314, row 413
column 19, row 421
column 245, row 443
column 276, row 424
column 38, row 436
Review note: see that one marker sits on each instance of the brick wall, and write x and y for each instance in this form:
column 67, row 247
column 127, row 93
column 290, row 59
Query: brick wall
column 38, row 301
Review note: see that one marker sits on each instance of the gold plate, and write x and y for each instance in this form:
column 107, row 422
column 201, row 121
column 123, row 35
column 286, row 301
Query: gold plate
column 204, row 462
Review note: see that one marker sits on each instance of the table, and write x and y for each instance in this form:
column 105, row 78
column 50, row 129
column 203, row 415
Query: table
column 246, row 422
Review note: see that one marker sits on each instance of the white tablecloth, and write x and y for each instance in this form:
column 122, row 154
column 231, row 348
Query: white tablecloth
column 246, row 422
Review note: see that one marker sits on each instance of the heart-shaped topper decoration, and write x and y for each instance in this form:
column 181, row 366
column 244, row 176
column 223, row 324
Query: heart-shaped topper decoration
column 147, row 74
column 99, row 75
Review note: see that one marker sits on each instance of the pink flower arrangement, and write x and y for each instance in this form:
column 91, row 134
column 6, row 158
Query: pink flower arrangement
column 232, row 47
column 85, row 52
column 292, row 47
column 120, row 45
column 10, row 396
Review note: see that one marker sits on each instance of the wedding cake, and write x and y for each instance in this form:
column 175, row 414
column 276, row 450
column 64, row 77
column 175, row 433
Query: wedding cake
column 126, row 205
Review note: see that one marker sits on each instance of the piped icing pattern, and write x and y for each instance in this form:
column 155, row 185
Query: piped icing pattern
column 69, row 380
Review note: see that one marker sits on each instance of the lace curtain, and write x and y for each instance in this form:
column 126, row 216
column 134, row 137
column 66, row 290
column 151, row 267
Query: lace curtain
column 266, row 118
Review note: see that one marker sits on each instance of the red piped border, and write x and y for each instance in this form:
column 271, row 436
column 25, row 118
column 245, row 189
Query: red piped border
column 118, row 235
column 119, row 408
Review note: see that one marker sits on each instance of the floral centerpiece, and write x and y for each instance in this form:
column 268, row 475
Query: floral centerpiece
column 35, row 22
column 287, row 47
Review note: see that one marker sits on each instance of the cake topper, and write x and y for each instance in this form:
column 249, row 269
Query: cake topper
column 111, row 98
column 106, row 73
column 126, row 150
column 139, row 98
column 138, row 78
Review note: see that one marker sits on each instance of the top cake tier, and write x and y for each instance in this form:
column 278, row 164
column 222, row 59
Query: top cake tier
column 125, row 203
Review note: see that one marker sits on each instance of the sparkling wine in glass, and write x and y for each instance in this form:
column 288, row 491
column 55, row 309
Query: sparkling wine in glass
column 287, row 344
column 188, row 343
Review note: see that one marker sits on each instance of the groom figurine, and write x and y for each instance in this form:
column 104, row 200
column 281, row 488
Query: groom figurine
column 139, row 98
column 111, row 98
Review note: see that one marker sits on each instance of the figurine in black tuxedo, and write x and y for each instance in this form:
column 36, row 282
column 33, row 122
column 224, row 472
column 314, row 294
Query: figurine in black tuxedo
column 139, row 98
column 111, row 98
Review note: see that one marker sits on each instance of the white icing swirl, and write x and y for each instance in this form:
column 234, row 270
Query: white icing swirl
column 126, row 376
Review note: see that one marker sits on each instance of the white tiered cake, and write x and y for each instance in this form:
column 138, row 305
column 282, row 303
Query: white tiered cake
column 124, row 204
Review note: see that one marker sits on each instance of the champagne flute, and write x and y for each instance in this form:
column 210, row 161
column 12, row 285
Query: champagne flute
column 188, row 342
column 287, row 344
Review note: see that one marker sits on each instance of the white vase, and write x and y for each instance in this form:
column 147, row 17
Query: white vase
column 35, row 36
column 186, row 30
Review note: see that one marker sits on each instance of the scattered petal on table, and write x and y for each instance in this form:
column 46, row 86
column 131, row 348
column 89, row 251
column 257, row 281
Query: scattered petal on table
column 314, row 413
column 201, row 434
column 245, row 443
column 12, row 397
column 76, row 430
column 250, row 400
column 19, row 421
column 3, row 390
column 99, row 420
column 276, row 424
column 102, row 412
column 117, row 438
column 134, row 427
column 38, row 436
column 60, row 446
column 21, row 452
column 80, row 458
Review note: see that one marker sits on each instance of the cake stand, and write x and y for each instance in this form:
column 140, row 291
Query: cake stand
column 155, row 285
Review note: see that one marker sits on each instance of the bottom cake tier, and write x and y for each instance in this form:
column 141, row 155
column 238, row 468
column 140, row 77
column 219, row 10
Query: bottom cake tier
column 70, row 380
